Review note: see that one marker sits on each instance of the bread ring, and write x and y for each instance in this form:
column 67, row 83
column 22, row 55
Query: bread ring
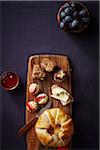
column 54, row 128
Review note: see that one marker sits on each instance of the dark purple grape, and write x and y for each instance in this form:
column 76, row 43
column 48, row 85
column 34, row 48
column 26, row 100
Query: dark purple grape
column 61, row 24
column 62, row 14
column 85, row 19
column 75, row 14
column 68, row 11
column 83, row 13
column 73, row 4
column 66, row 5
column 63, row 20
column 72, row 9
column 75, row 23
column 68, row 18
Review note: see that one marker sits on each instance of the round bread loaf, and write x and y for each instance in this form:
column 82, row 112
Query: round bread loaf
column 54, row 128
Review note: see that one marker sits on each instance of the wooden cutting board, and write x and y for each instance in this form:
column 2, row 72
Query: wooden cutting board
column 61, row 61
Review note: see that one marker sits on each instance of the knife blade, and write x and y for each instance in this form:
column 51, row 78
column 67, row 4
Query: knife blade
column 32, row 122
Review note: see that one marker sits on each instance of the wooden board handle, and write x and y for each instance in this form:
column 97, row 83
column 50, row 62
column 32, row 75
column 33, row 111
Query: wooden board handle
column 26, row 127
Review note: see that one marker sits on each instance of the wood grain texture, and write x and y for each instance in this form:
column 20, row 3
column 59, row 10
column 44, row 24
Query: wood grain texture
column 61, row 61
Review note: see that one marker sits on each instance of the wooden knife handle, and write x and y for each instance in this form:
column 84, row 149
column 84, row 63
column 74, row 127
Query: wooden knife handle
column 26, row 127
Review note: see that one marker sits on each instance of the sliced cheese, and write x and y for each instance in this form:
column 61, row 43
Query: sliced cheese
column 63, row 98
column 56, row 90
column 60, row 94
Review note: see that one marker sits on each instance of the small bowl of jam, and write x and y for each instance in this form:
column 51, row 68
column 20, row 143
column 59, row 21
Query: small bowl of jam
column 9, row 80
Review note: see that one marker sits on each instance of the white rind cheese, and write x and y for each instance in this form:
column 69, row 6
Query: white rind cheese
column 60, row 94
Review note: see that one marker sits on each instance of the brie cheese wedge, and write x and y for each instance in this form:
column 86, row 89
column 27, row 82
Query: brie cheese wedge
column 61, row 94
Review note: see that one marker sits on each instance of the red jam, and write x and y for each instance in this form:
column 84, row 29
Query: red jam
column 29, row 106
column 8, row 80
column 37, row 99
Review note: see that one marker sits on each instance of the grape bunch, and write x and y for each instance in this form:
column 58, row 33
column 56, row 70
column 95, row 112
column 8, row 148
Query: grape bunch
column 73, row 16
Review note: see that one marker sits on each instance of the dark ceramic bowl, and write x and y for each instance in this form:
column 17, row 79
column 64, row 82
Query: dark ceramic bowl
column 67, row 25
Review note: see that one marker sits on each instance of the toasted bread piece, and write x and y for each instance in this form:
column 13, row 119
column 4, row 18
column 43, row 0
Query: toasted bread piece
column 54, row 128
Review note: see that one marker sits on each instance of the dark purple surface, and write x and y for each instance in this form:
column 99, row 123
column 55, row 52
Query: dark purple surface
column 29, row 28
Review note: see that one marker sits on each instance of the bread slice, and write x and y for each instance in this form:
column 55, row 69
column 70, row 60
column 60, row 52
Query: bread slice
column 61, row 94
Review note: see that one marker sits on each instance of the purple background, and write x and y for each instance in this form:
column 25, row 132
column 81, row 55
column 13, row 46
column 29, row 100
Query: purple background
column 29, row 28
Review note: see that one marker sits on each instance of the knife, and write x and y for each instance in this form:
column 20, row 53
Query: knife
column 32, row 122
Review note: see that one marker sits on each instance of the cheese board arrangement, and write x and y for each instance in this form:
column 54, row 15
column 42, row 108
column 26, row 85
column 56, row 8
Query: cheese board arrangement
column 49, row 101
